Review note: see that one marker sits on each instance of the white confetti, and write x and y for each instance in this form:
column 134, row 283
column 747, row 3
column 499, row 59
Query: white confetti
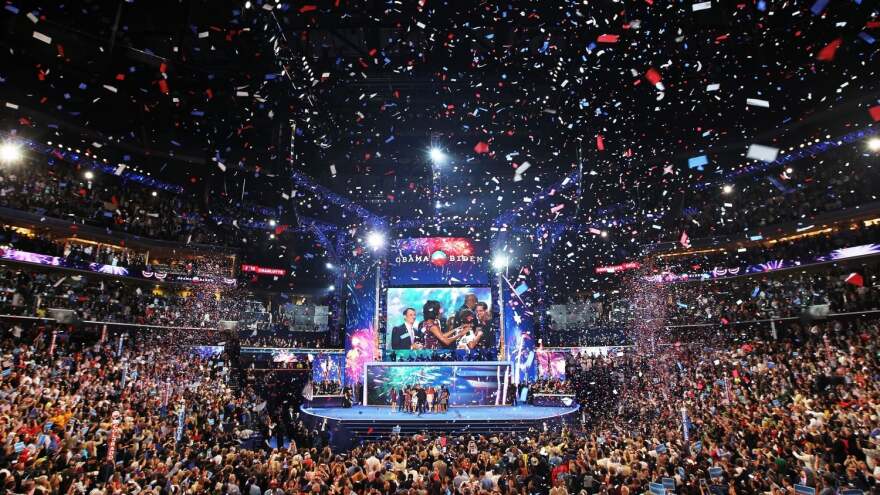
column 42, row 37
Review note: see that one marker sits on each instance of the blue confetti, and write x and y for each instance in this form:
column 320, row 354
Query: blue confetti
column 818, row 7
column 698, row 162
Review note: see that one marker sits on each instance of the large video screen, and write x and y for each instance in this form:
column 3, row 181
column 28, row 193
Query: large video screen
column 438, row 261
column 469, row 384
column 451, row 300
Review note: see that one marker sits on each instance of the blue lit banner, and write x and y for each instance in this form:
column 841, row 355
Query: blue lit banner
column 469, row 384
column 451, row 300
column 438, row 261
column 361, row 337
column 207, row 351
column 328, row 367
column 517, row 299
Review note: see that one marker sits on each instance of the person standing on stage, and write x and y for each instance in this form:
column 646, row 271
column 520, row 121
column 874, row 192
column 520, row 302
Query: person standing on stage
column 393, row 396
column 407, row 336
column 401, row 400
column 423, row 399
column 435, row 338
column 414, row 399
column 430, row 397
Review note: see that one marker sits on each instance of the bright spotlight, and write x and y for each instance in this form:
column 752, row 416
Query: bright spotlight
column 331, row 288
column 500, row 261
column 874, row 144
column 329, row 265
column 10, row 152
column 247, row 5
column 375, row 240
column 89, row 175
column 437, row 155
column 272, row 223
column 727, row 189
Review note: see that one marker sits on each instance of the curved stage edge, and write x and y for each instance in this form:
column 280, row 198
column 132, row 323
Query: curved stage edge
column 350, row 426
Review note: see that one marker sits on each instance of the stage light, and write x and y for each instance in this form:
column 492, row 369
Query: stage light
column 331, row 288
column 89, row 175
column 272, row 223
column 375, row 240
column 604, row 233
column 789, row 170
column 247, row 4
column 329, row 265
column 727, row 189
column 874, row 144
column 437, row 155
column 10, row 152
column 155, row 194
column 500, row 261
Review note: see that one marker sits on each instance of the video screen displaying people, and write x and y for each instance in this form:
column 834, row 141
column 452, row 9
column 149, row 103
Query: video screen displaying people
column 452, row 321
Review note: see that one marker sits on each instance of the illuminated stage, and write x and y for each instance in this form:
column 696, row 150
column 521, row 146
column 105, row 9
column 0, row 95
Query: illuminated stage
column 350, row 425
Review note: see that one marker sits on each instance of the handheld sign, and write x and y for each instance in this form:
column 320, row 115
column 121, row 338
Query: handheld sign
column 804, row 490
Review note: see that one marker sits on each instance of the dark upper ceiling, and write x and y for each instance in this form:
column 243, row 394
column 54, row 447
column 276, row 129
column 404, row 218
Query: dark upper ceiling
column 371, row 85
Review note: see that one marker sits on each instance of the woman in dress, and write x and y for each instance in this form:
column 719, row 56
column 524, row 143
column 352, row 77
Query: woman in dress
column 435, row 338
column 430, row 394
column 393, row 397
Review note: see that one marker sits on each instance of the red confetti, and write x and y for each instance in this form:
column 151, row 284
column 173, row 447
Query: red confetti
column 163, row 86
column 120, row 77
column 481, row 147
column 652, row 76
column 307, row 8
column 875, row 113
column 827, row 54
column 607, row 38
column 600, row 142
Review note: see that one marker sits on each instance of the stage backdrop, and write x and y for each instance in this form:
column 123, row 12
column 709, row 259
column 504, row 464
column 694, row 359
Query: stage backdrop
column 360, row 331
column 438, row 261
column 469, row 384
column 450, row 299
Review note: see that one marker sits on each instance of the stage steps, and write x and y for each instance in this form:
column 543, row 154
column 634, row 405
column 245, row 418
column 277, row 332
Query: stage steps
column 353, row 425
column 372, row 430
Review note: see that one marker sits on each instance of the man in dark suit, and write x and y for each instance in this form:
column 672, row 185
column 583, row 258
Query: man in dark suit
column 407, row 336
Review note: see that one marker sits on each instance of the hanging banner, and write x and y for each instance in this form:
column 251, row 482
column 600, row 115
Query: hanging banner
column 361, row 337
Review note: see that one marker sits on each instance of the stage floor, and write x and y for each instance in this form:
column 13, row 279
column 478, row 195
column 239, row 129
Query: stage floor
column 482, row 413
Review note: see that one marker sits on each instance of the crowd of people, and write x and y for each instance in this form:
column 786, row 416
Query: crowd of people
column 63, row 192
column 33, row 293
column 782, row 296
column 761, row 414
